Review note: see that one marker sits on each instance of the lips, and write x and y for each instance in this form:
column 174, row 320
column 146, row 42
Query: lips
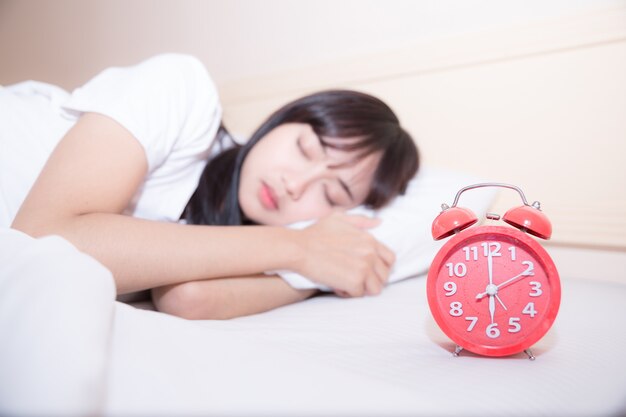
column 267, row 197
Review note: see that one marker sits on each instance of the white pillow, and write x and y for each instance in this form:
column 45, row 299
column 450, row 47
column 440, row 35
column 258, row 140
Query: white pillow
column 56, row 312
column 406, row 222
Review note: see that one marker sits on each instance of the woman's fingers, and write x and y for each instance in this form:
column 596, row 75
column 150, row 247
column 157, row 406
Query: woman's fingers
column 368, row 278
column 386, row 257
column 373, row 287
column 379, row 279
column 371, row 282
column 341, row 254
column 386, row 254
column 342, row 294
column 364, row 222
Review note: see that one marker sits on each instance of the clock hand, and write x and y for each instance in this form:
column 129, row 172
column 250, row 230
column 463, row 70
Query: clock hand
column 500, row 301
column 524, row 274
column 527, row 272
column 490, row 266
column 492, row 301
column 490, row 288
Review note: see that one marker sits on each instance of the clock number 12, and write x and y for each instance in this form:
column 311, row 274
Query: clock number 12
column 471, row 252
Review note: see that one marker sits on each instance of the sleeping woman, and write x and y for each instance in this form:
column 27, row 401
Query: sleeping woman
column 136, row 169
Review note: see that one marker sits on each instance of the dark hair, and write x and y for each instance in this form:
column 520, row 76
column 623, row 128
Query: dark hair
column 331, row 114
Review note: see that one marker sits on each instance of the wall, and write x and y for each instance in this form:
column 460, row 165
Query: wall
column 532, row 93
column 539, row 105
column 66, row 41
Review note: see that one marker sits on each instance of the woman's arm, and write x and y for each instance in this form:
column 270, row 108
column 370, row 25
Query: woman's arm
column 226, row 298
column 91, row 177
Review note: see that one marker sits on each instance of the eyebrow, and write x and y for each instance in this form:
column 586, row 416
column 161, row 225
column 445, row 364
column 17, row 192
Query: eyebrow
column 341, row 182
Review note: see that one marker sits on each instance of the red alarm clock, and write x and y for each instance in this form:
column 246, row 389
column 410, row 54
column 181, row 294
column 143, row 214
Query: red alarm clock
column 493, row 290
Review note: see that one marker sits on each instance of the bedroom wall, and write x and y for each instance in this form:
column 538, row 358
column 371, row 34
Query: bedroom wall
column 532, row 92
column 539, row 105
column 66, row 41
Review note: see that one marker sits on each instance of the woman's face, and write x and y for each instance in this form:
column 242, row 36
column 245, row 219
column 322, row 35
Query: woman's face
column 290, row 176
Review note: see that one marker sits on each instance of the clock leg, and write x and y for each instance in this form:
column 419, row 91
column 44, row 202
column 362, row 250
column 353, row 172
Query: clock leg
column 530, row 354
column 457, row 350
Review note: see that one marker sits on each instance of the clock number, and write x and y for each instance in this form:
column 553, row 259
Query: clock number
column 456, row 270
column 456, row 309
column 487, row 248
column 492, row 331
column 450, row 288
column 536, row 290
column 513, row 253
column 530, row 309
column 473, row 320
column 474, row 251
column 530, row 268
column 514, row 325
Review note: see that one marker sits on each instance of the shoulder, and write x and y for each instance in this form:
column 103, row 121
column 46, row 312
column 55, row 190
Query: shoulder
column 167, row 102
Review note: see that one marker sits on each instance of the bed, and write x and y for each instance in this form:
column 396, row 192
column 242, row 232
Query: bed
column 372, row 356
column 73, row 350
column 70, row 348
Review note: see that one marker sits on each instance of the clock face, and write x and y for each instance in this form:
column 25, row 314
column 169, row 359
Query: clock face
column 493, row 290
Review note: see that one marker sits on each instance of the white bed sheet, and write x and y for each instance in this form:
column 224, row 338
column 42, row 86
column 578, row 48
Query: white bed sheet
column 371, row 356
column 69, row 349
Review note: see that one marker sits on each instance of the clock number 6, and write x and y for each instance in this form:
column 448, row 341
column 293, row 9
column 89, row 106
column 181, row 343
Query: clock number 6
column 492, row 331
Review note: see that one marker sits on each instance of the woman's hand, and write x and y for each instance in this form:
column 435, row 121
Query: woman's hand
column 340, row 253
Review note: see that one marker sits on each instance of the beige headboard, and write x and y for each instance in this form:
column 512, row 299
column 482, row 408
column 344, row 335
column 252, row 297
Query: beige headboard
column 542, row 106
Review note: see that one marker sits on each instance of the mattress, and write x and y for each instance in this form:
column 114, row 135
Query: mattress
column 369, row 356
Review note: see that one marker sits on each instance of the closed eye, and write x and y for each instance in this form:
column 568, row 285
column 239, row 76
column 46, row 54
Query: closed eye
column 301, row 148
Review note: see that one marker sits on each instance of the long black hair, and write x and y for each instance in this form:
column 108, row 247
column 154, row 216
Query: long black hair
column 365, row 119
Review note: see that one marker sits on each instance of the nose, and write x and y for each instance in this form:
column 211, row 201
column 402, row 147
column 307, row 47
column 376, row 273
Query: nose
column 297, row 182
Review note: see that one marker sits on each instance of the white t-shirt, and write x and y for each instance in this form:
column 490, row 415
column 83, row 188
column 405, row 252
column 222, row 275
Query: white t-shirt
column 169, row 103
